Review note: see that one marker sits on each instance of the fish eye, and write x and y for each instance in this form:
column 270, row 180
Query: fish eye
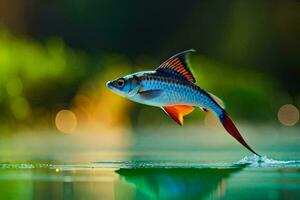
column 120, row 82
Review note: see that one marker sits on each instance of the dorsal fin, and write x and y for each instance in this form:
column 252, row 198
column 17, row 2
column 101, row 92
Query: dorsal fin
column 177, row 65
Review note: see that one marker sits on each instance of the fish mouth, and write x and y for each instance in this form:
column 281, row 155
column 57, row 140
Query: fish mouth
column 109, row 84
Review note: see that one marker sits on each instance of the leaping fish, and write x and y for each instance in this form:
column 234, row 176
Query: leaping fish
column 172, row 87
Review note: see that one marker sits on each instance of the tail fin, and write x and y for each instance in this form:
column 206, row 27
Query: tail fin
column 233, row 131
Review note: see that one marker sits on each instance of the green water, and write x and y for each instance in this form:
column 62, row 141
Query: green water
column 150, row 166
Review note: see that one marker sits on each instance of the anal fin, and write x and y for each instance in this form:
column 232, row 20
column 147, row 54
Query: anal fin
column 177, row 112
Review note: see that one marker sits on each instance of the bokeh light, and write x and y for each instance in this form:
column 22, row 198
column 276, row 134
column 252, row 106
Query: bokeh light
column 66, row 121
column 288, row 115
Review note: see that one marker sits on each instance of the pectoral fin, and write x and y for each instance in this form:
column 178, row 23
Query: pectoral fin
column 177, row 112
column 150, row 94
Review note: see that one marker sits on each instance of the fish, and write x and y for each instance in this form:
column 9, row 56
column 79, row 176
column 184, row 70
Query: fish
column 172, row 87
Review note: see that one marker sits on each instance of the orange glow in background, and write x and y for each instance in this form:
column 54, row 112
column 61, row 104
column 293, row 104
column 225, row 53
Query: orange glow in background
column 288, row 115
column 66, row 121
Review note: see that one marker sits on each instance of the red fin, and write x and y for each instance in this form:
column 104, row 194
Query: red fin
column 177, row 65
column 177, row 112
column 233, row 131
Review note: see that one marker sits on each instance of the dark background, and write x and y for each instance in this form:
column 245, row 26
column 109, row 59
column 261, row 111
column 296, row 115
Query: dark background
column 247, row 52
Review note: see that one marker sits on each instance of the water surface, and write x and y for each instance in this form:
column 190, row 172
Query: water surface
column 149, row 166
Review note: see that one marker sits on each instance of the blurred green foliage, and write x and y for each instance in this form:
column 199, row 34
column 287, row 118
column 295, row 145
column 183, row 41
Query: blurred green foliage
column 247, row 54
column 36, row 78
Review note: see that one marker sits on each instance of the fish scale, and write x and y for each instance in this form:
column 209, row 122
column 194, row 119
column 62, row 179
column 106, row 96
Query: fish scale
column 172, row 87
column 176, row 92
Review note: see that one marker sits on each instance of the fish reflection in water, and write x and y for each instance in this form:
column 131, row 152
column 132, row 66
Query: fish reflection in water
column 178, row 183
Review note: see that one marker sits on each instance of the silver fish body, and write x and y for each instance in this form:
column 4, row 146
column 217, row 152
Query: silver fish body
column 175, row 92
column 172, row 87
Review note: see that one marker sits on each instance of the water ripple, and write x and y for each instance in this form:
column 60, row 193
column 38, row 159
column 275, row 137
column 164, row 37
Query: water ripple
column 264, row 161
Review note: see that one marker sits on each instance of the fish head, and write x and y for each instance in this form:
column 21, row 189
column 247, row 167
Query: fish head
column 126, row 86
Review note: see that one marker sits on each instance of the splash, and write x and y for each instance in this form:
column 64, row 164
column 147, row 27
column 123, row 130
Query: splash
column 264, row 161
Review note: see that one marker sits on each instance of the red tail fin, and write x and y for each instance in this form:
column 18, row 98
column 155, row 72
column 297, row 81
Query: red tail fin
column 233, row 131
